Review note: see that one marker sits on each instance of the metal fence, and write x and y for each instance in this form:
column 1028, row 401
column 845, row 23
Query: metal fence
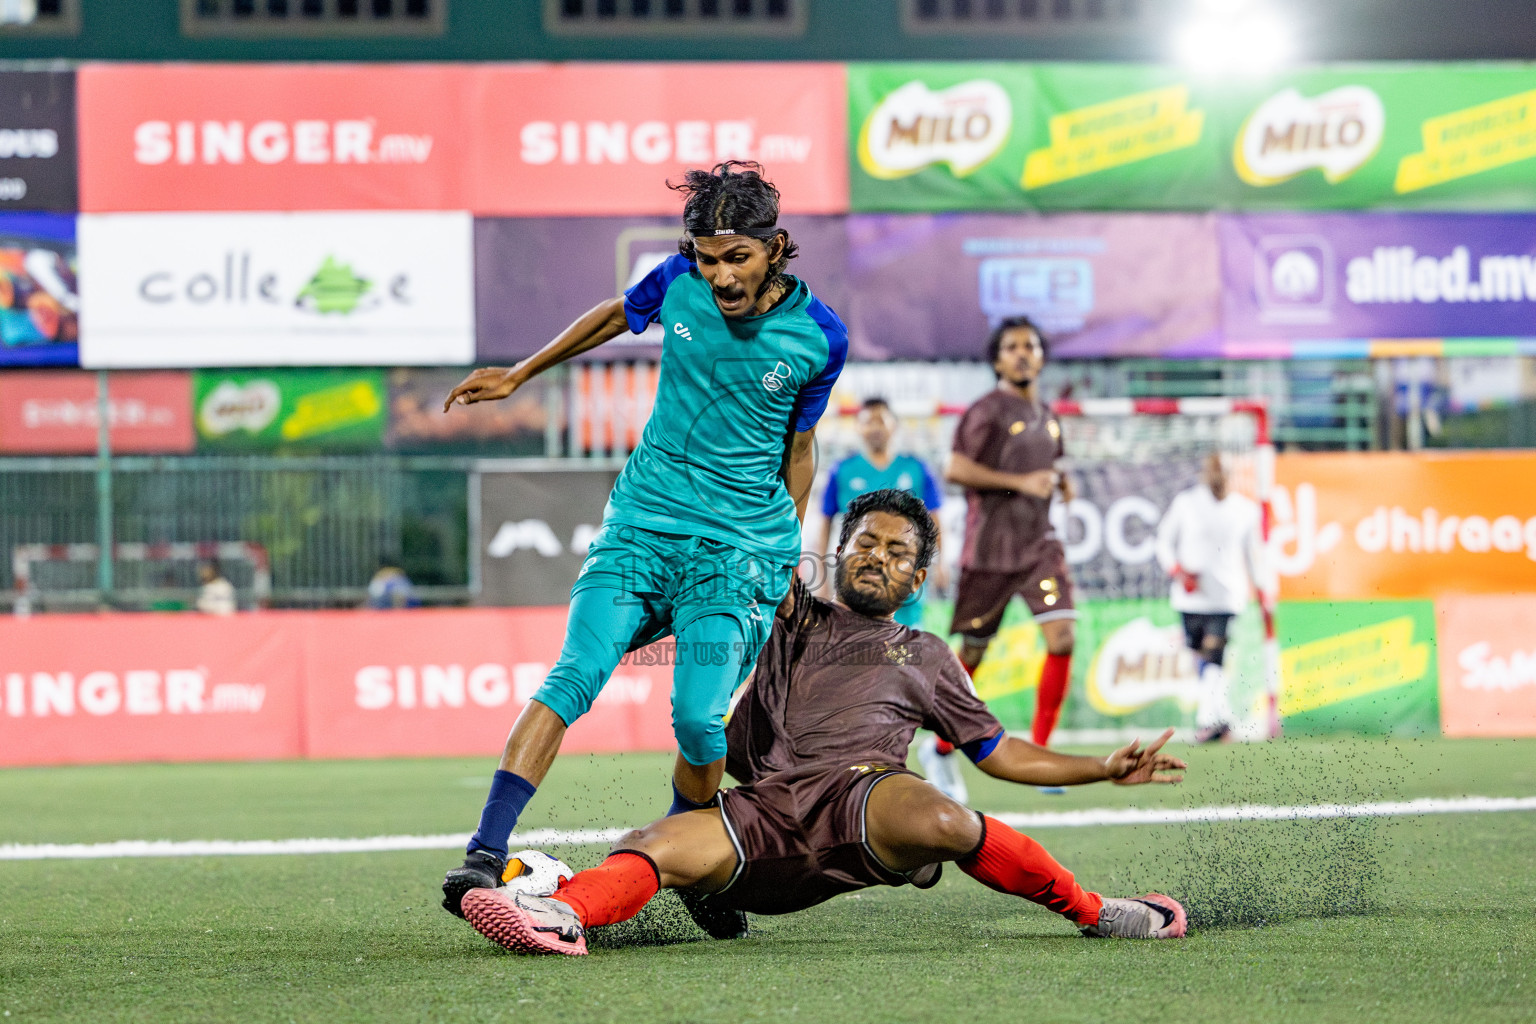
column 326, row 524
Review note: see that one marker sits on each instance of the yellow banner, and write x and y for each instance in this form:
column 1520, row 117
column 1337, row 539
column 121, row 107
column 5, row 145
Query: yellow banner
column 1122, row 131
column 1349, row 665
column 1470, row 141
column 332, row 409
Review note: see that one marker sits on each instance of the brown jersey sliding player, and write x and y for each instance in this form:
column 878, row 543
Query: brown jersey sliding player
column 1005, row 453
column 818, row 740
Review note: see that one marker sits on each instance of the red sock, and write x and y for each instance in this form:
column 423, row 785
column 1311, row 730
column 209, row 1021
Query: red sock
column 944, row 747
column 1054, row 677
column 613, row 891
column 1011, row 862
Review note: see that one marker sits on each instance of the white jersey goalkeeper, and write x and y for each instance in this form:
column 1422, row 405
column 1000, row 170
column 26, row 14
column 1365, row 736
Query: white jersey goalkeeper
column 1210, row 542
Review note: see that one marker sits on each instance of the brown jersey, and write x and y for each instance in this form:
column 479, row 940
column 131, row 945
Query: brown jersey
column 1003, row 529
column 834, row 687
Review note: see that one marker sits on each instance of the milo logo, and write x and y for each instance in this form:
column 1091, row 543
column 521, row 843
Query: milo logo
column 963, row 126
column 1289, row 133
column 230, row 407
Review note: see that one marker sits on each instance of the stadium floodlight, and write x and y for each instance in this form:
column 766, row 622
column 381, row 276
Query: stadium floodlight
column 1233, row 37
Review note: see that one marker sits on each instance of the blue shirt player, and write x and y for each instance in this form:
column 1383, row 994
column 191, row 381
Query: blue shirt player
column 702, row 531
column 876, row 468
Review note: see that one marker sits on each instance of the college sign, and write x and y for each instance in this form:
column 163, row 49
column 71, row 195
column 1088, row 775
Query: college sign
column 271, row 289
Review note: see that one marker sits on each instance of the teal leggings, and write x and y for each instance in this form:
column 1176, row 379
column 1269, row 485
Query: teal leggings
column 714, row 653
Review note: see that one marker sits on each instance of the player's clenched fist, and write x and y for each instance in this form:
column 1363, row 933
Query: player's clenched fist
column 485, row 385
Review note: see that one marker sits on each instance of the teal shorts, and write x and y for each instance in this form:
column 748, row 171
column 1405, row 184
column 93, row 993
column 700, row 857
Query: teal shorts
column 635, row 588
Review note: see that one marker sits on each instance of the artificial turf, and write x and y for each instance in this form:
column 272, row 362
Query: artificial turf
column 1429, row 918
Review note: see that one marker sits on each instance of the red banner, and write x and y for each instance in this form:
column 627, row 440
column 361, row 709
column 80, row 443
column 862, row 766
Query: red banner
column 523, row 140
column 80, row 689
column 443, row 682
column 54, row 413
column 1487, row 665
column 273, row 137
column 604, row 139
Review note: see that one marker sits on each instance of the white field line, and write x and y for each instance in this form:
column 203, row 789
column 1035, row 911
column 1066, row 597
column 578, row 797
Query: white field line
column 551, row 836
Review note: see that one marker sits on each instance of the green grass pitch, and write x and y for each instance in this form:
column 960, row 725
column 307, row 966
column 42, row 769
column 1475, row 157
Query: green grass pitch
column 1405, row 919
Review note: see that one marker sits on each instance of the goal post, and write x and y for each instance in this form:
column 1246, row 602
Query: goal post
column 1127, row 458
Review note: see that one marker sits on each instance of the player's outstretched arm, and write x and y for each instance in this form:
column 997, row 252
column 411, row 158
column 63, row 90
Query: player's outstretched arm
column 603, row 322
column 1018, row 760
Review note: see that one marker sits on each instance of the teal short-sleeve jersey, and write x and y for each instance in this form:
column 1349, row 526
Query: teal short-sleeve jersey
column 856, row 475
column 730, row 393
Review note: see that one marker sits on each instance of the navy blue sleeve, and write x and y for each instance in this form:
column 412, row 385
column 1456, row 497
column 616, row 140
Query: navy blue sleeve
column 932, row 496
column 979, row 750
column 830, row 506
column 813, row 397
column 642, row 303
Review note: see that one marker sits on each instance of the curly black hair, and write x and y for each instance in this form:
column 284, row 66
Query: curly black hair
column 1013, row 323
column 898, row 503
column 733, row 194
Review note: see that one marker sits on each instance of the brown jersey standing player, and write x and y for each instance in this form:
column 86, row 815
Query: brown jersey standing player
column 1005, row 453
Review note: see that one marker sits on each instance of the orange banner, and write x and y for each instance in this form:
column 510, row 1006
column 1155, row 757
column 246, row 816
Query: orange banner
column 1366, row 526
column 81, row 689
column 1487, row 665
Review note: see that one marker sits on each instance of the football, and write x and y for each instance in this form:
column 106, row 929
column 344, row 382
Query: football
column 534, row 873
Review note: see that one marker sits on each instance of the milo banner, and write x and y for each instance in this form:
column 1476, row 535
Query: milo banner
column 289, row 410
column 1066, row 136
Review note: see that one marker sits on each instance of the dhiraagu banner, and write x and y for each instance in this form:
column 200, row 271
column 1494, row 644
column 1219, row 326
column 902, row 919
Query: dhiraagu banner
column 1049, row 137
column 300, row 410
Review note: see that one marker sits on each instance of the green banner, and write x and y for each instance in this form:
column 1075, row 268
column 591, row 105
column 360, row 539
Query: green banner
column 1359, row 666
column 1048, row 137
column 289, row 410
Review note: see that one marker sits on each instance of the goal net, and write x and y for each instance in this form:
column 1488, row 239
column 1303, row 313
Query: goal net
column 1127, row 459
column 145, row 576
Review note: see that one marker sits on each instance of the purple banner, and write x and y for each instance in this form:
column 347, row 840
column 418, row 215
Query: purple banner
column 533, row 276
column 1378, row 275
column 930, row 286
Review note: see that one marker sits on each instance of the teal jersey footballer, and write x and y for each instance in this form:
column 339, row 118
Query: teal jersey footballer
column 731, row 390
column 702, row 531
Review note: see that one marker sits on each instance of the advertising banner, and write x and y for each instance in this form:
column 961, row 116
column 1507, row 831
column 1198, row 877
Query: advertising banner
column 1331, row 276
column 37, row 140
column 274, row 137
column 604, row 139
column 39, row 297
column 998, row 136
column 452, row 681
column 81, row 689
column 932, row 286
column 1358, row 666
column 533, row 276
column 1487, row 664
column 1356, row 526
column 55, row 413
column 1010, row 136
column 417, row 423
column 273, row 289
column 263, row 411
column 534, row 532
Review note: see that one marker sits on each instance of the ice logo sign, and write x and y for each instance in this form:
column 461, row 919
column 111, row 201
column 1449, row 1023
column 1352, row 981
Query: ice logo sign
column 1289, row 133
column 1055, row 292
column 1295, row 275
column 963, row 126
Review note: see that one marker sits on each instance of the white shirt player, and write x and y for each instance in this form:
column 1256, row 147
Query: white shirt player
column 1217, row 542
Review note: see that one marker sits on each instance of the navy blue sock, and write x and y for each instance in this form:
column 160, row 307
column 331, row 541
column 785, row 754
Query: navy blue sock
column 681, row 803
column 510, row 793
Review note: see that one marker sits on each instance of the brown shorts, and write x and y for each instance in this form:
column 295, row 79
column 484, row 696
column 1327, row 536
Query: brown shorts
column 800, row 840
column 982, row 596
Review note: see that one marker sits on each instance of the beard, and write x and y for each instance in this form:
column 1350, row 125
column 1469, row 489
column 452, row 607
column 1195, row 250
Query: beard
column 866, row 603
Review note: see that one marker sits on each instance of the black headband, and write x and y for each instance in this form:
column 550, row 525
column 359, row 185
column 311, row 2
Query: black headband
column 761, row 234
